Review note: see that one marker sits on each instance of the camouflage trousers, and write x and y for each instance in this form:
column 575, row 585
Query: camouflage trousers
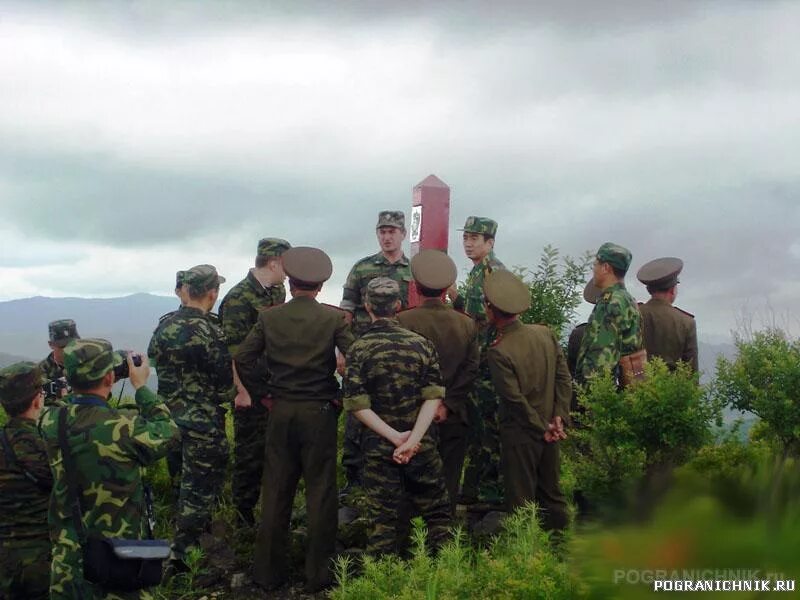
column 249, row 430
column 482, row 477
column 24, row 569
column 393, row 491
column 205, row 460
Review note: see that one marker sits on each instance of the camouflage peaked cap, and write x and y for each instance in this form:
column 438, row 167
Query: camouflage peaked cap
column 482, row 225
column 507, row 292
column 202, row 278
column 272, row 247
column 391, row 218
column 382, row 291
column 307, row 265
column 615, row 255
column 89, row 359
column 62, row 332
column 433, row 269
column 19, row 383
column 661, row 274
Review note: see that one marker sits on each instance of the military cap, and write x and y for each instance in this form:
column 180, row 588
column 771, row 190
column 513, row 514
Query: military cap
column 391, row 218
column 433, row 269
column 180, row 277
column 20, row 382
column 661, row 273
column 272, row 247
column 480, row 225
column 89, row 359
column 507, row 292
column 306, row 264
column 382, row 291
column 62, row 332
column 591, row 293
column 202, row 278
column 615, row 255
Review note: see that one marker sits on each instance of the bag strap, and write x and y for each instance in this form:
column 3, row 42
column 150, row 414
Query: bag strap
column 71, row 473
column 12, row 459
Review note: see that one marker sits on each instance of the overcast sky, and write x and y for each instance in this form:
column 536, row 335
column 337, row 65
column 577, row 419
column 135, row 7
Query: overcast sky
column 137, row 139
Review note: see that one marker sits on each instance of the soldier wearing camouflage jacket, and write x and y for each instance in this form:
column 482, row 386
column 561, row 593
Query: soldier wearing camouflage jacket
column 25, row 483
column 60, row 333
column 109, row 448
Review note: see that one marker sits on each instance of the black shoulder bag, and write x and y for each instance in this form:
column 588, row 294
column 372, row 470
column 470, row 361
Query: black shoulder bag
column 112, row 563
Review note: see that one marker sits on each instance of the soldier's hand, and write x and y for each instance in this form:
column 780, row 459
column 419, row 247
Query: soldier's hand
column 138, row 375
column 340, row 364
column 403, row 454
column 401, row 438
column 452, row 293
column 348, row 316
column 242, row 399
column 555, row 431
column 440, row 416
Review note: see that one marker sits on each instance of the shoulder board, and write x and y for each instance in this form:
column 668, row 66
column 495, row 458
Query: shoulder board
column 680, row 310
column 261, row 309
column 336, row 308
column 403, row 310
column 496, row 340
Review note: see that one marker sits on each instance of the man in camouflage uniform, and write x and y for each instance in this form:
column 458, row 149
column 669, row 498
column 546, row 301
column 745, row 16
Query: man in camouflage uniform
column 482, row 478
column 531, row 377
column 669, row 332
column 394, row 387
column 262, row 288
column 614, row 329
column 455, row 337
column 193, row 347
column 61, row 332
column 390, row 262
column 25, row 483
column 298, row 341
column 109, row 449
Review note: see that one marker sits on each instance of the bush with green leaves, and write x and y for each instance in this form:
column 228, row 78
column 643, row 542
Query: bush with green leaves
column 764, row 379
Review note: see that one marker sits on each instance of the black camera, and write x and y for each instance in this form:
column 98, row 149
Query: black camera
column 55, row 387
column 122, row 371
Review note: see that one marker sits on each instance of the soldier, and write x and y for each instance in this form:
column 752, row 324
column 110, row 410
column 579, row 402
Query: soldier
column 531, row 377
column 108, row 449
column 299, row 341
column 482, row 479
column 61, row 332
column 25, row 484
column 669, row 332
column 590, row 294
column 192, row 347
column 261, row 288
column 394, row 387
column 390, row 262
column 614, row 331
column 455, row 337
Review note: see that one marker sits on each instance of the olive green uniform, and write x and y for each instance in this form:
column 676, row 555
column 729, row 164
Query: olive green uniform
column 298, row 341
column 532, row 380
column 669, row 333
column 454, row 335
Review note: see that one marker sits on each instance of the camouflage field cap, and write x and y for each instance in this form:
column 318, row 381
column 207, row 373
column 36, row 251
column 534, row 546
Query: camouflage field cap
column 180, row 278
column 89, row 359
column 433, row 269
column 591, row 293
column 272, row 247
column 615, row 255
column 391, row 218
column 382, row 291
column 62, row 332
column 507, row 292
column 482, row 225
column 202, row 278
column 306, row 264
column 20, row 382
column 661, row 273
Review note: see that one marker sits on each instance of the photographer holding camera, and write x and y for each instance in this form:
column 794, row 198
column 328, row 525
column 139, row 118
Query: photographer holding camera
column 96, row 454
column 60, row 333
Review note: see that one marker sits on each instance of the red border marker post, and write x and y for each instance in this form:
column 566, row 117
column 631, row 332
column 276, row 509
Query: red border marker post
column 430, row 221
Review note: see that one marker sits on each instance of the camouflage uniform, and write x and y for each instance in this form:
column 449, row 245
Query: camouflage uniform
column 60, row 332
column 392, row 371
column 25, row 483
column 238, row 313
column 109, row 450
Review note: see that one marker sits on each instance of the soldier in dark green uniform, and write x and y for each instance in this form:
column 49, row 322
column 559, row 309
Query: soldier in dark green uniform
column 191, row 347
column 390, row 262
column 669, row 332
column 61, row 332
column 25, row 484
column 531, row 377
column 614, row 330
column 482, row 479
column 262, row 288
column 455, row 338
column 298, row 341
column 393, row 385
column 109, row 449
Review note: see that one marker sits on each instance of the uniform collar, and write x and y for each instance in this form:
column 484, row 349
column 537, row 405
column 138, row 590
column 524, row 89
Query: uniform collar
column 191, row 310
column 257, row 286
column 21, row 423
column 88, row 400
column 434, row 303
column 512, row 326
column 658, row 301
column 384, row 323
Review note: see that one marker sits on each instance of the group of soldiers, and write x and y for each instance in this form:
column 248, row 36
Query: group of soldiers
column 455, row 400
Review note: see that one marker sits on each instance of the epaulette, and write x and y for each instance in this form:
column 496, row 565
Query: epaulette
column 339, row 308
column 407, row 308
column 683, row 311
column 261, row 309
